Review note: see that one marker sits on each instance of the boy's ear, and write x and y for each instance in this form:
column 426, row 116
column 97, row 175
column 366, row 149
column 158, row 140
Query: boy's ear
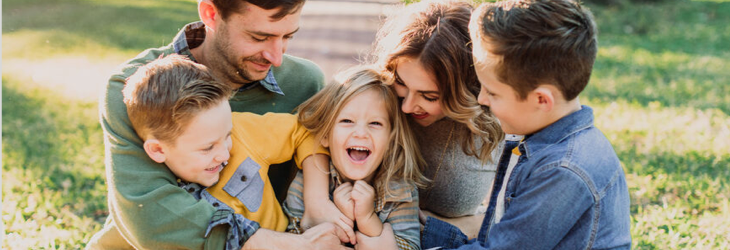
column 544, row 97
column 154, row 150
column 208, row 13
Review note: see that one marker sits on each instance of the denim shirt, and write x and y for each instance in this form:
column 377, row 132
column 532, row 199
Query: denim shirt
column 567, row 191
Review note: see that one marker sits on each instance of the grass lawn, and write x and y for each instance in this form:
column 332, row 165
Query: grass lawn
column 660, row 92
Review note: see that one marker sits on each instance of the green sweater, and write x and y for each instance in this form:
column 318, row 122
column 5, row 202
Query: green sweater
column 145, row 204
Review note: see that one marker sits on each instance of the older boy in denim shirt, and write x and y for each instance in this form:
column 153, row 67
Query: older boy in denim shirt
column 563, row 185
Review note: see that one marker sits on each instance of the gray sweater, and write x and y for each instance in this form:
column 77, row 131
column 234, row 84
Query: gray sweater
column 462, row 182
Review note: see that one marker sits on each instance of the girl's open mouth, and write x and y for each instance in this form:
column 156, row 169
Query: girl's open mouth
column 358, row 154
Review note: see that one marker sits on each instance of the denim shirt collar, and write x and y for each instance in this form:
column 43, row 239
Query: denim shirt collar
column 269, row 82
column 559, row 130
column 193, row 34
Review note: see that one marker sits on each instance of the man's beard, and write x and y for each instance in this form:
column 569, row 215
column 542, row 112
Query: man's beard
column 247, row 75
column 230, row 69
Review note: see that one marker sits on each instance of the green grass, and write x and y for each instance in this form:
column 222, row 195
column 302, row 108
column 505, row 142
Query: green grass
column 54, row 190
column 71, row 26
column 675, row 54
column 676, row 161
column 53, row 174
column 659, row 91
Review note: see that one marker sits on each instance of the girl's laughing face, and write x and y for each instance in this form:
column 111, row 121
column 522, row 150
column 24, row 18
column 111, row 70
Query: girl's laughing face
column 359, row 139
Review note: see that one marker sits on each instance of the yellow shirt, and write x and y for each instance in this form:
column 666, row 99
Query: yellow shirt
column 258, row 142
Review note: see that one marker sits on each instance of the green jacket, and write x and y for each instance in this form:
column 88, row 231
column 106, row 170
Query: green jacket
column 145, row 204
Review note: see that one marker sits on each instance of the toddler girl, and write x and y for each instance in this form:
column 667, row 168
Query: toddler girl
column 373, row 172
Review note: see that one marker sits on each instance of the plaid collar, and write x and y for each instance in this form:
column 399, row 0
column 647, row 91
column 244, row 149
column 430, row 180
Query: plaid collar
column 193, row 34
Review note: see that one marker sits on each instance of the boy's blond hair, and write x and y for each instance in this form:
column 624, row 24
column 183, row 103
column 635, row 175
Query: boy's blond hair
column 540, row 42
column 318, row 115
column 163, row 96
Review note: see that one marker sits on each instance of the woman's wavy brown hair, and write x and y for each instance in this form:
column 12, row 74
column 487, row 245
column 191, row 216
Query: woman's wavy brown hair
column 436, row 34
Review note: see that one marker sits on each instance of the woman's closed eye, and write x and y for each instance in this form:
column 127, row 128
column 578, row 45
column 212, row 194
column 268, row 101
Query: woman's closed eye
column 430, row 98
column 398, row 81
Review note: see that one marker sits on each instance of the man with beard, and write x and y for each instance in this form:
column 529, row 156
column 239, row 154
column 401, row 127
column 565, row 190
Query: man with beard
column 242, row 42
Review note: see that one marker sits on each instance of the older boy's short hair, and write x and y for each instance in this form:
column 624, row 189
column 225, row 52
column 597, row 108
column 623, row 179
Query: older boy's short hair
column 286, row 7
column 163, row 96
column 539, row 42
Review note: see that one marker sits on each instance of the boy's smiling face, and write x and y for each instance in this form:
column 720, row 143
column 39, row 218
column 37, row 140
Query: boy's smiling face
column 359, row 139
column 198, row 154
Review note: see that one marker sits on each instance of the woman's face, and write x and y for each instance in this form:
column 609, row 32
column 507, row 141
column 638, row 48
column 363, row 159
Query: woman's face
column 417, row 89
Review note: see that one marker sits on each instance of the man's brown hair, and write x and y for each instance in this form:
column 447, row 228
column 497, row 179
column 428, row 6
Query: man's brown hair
column 539, row 42
column 286, row 7
column 165, row 94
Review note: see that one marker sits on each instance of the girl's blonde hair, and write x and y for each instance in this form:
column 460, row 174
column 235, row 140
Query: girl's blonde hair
column 436, row 34
column 318, row 115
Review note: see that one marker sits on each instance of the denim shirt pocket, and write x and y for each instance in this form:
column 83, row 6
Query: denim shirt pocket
column 246, row 185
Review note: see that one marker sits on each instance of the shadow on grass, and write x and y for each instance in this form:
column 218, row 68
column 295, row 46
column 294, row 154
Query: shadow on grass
column 128, row 25
column 696, row 180
column 24, row 121
column 677, row 201
column 52, row 148
column 670, row 83
column 692, row 27
column 680, row 43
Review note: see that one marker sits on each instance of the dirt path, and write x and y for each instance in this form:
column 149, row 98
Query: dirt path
column 335, row 34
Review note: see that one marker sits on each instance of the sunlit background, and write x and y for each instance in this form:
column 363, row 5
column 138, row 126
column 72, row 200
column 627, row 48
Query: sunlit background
column 660, row 89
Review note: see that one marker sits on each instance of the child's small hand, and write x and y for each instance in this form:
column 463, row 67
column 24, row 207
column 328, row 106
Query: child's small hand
column 328, row 212
column 343, row 199
column 364, row 196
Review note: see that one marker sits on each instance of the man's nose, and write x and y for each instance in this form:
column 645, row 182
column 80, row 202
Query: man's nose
column 274, row 52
